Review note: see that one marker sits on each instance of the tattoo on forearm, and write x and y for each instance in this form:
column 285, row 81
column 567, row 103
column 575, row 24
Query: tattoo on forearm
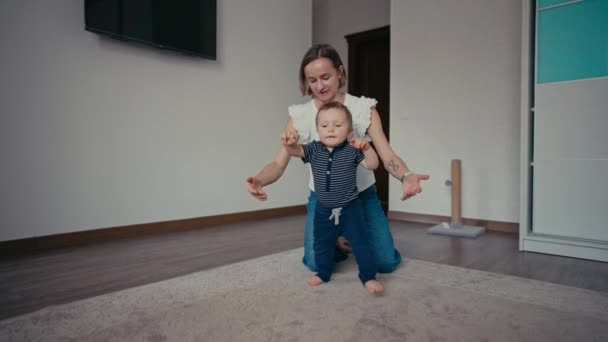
column 393, row 166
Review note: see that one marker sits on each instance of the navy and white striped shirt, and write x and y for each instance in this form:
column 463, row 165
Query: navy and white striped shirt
column 334, row 173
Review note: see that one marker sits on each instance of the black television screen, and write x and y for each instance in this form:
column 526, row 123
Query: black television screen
column 187, row 26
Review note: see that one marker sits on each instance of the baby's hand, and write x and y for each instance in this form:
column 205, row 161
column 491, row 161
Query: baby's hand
column 360, row 144
column 289, row 138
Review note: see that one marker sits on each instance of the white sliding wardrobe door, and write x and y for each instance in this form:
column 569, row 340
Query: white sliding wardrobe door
column 570, row 136
column 570, row 188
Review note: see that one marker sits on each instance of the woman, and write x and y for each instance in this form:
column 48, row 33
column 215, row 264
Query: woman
column 322, row 76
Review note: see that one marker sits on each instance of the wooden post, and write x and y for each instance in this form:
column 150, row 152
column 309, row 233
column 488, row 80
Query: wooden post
column 456, row 192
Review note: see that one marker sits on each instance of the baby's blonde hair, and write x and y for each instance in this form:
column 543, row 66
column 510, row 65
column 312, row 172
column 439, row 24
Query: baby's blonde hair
column 339, row 106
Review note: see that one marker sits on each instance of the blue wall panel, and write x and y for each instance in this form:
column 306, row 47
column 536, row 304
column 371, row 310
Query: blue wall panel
column 572, row 41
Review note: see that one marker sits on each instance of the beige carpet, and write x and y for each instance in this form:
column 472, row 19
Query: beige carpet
column 266, row 299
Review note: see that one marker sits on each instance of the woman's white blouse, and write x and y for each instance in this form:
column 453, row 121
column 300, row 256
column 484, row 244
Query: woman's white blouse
column 303, row 117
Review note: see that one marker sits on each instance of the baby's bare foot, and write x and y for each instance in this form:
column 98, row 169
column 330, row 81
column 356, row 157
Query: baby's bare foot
column 314, row 281
column 374, row 287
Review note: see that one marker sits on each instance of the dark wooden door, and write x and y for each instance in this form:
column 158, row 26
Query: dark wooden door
column 368, row 75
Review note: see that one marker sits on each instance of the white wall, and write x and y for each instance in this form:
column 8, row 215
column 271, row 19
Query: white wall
column 455, row 81
column 334, row 19
column 100, row 133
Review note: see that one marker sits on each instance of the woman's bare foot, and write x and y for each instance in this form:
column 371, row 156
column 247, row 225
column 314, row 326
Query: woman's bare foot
column 314, row 281
column 344, row 245
column 374, row 287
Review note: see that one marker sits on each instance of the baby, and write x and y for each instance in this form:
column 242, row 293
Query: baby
column 334, row 163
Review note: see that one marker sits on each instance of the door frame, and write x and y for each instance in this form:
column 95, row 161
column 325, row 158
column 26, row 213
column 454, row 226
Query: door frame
column 355, row 41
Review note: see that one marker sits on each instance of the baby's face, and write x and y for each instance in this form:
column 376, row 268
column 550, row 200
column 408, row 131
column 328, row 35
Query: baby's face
column 333, row 127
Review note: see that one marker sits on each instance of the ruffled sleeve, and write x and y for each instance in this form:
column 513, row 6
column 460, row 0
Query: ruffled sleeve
column 300, row 118
column 360, row 108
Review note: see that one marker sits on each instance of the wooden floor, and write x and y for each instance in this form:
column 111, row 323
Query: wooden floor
column 56, row 277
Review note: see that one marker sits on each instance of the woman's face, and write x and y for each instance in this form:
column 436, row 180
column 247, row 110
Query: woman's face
column 323, row 79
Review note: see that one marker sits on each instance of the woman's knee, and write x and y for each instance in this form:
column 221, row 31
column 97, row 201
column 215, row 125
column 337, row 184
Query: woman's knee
column 387, row 268
column 309, row 262
column 390, row 267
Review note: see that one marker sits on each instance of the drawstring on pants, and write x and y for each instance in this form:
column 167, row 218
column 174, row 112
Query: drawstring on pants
column 335, row 214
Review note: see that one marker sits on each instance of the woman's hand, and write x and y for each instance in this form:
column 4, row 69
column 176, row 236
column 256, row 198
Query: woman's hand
column 255, row 188
column 290, row 132
column 290, row 138
column 411, row 185
column 360, row 144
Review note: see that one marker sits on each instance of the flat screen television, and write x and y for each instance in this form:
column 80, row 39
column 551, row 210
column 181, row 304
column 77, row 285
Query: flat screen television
column 187, row 26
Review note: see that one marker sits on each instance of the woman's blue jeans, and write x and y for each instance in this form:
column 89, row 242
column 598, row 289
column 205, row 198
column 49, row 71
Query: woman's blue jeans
column 378, row 232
